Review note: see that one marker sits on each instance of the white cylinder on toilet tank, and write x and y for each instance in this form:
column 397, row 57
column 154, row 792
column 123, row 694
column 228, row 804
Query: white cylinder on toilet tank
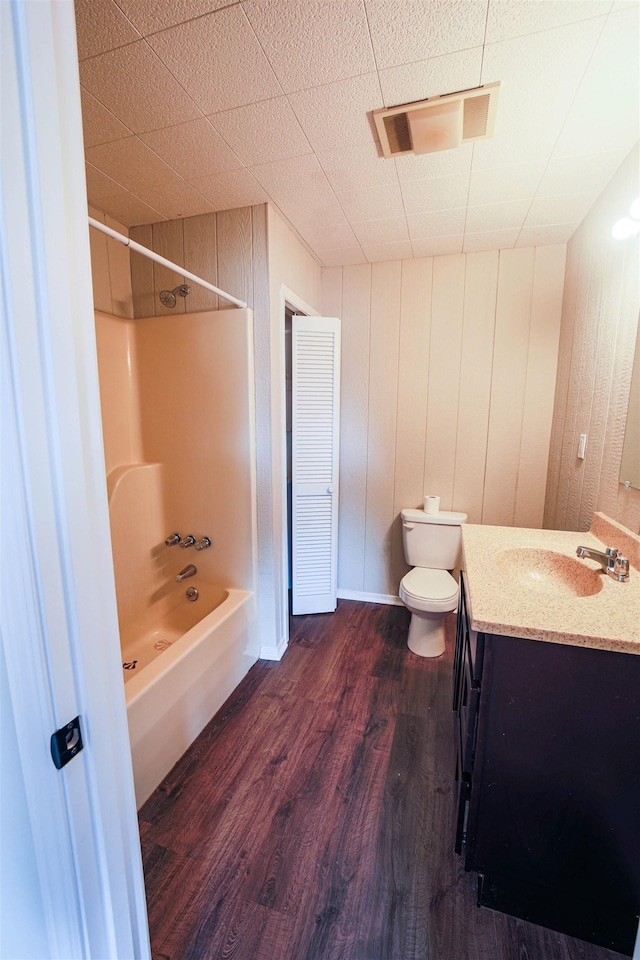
column 432, row 540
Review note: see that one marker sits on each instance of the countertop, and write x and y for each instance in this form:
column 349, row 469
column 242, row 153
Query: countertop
column 500, row 603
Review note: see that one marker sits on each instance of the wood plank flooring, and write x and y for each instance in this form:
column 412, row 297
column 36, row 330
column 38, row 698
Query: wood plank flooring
column 313, row 817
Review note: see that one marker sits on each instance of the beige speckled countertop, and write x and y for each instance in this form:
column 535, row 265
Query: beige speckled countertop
column 505, row 598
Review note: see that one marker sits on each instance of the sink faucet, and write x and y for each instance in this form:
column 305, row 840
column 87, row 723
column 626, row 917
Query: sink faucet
column 189, row 571
column 611, row 561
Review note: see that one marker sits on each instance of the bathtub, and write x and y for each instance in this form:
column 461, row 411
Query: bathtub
column 179, row 673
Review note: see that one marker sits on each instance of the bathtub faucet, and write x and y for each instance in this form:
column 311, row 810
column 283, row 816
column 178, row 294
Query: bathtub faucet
column 189, row 571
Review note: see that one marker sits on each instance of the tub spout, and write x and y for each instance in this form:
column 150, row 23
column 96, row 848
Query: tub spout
column 189, row 571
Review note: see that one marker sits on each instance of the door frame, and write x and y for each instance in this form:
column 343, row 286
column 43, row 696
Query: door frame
column 59, row 618
column 288, row 298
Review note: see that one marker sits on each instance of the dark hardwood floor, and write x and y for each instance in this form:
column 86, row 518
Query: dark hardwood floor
column 313, row 817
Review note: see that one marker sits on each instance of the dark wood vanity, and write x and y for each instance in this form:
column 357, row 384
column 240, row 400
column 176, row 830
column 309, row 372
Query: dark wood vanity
column 548, row 781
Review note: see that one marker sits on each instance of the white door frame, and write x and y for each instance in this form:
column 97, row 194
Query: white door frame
column 288, row 298
column 59, row 619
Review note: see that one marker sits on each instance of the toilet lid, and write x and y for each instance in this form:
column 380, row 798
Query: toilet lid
column 423, row 583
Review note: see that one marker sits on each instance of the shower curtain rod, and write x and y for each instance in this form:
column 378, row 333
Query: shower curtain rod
column 165, row 263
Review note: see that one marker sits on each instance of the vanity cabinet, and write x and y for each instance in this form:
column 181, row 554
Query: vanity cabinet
column 548, row 781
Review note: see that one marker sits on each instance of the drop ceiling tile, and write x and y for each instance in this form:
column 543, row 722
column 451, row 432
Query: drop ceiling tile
column 543, row 236
column 490, row 240
column 370, row 232
column 341, row 258
column 437, row 246
column 379, row 203
column 589, row 174
column 152, row 17
column 517, row 18
column 437, row 223
column 335, row 117
column 236, row 188
column 323, row 42
column 99, row 124
column 192, row 149
column 137, row 88
column 130, row 210
column 101, row 26
column 295, row 179
column 431, row 78
column 444, row 163
column 99, row 185
column 496, row 216
column 406, row 30
column 347, row 174
column 515, row 142
column 131, row 163
column 375, row 252
column 262, row 132
column 551, row 210
column 439, row 193
column 178, row 199
column 218, row 60
column 516, row 181
column 327, row 235
column 610, row 89
column 299, row 188
column 539, row 76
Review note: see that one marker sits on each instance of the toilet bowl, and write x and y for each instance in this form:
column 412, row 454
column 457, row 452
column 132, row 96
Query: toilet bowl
column 432, row 543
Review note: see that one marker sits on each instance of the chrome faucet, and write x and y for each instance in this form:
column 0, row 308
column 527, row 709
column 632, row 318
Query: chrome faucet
column 189, row 571
column 611, row 561
column 203, row 544
column 172, row 539
column 188, row 541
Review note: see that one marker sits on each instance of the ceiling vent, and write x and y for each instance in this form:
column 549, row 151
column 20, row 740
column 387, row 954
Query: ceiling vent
column 439, row 123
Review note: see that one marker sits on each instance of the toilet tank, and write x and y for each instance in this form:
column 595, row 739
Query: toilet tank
column 432, row 539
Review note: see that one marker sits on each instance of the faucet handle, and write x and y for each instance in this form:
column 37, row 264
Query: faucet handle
column 172, row 539
column 203, row 543
column 188, row 541
column 612, row 552
column 620, row 568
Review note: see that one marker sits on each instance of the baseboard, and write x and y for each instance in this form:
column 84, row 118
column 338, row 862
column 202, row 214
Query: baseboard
column 274, row 651
column 369, row 597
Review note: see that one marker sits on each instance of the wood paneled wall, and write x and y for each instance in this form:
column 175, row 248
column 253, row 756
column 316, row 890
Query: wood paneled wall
column 110, row 269
column 599, row 329
column 219, row 247
column 448, row 376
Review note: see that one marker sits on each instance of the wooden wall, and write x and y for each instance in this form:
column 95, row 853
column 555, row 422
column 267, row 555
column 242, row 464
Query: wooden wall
column 110, row 269
column 599, row 329
column 227, row 248
column 448, row 376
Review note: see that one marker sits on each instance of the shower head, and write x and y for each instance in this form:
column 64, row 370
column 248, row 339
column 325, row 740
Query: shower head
column 168, row 297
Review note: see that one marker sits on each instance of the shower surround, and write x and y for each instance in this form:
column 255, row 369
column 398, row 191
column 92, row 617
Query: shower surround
column 178, row 424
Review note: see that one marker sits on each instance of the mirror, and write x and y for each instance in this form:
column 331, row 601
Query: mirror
column 630, row 463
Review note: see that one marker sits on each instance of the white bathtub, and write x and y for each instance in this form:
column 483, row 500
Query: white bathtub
column 185, row 668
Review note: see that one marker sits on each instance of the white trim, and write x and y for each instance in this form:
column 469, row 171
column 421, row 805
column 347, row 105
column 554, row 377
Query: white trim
column 275, row 651
column 152, row 255
column 290, row 297
column 363, row 597
column 59, row 629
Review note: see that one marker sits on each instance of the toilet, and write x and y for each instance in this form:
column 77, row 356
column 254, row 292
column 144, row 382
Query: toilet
column 431, row 544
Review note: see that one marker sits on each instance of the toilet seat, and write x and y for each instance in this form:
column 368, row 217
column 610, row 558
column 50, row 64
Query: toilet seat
column 429, row 590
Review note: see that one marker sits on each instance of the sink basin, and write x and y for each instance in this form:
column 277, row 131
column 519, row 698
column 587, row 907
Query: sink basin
column 547, row 572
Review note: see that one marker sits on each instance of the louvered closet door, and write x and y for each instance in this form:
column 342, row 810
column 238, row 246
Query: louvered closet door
column 315, row 439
